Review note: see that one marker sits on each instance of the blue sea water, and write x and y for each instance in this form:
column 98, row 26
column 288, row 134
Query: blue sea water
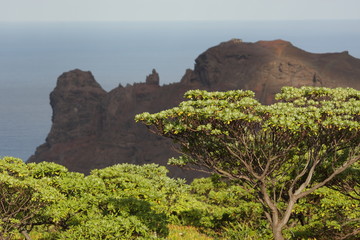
column 33, row 55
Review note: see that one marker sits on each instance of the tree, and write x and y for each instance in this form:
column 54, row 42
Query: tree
column 224, row 210
column 22, row 197
column 327, row 214
column 284, row 151
column 119, row 202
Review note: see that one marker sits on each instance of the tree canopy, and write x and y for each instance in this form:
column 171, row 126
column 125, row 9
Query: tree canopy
column 285, row 151
column 22, row 197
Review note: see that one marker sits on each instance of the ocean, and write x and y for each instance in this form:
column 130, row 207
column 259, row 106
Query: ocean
column 34, row 54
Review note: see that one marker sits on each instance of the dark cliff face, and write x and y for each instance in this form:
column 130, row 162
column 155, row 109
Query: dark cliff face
column 93, row 129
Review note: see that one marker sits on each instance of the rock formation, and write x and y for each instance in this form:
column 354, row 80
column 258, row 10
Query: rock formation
column 92, row 128
column 153, row 78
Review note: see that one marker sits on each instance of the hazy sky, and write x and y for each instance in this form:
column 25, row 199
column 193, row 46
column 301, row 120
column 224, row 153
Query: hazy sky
column 173, row 10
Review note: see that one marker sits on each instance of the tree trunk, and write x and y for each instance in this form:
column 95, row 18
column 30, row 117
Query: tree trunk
column 277, row 231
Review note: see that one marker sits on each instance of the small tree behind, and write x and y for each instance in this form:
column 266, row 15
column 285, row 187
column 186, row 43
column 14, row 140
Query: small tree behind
column 284, row 151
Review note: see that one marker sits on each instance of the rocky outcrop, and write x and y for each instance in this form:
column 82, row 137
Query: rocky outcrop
column 153, row 78
column 92, row 128
column 266, row 66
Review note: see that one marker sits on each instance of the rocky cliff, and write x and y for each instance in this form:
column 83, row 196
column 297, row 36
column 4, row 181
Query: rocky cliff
column 92, row 128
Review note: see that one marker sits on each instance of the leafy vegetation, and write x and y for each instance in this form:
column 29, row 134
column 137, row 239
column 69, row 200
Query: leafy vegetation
column 282, row 152
column 141, row 202
column 294, row 164
column 22, row 197
column 186, row 233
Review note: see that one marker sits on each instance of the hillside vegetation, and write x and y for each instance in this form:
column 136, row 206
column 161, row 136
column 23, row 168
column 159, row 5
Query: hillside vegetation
column 282, row 152
column 127, row 201
column 286, row 171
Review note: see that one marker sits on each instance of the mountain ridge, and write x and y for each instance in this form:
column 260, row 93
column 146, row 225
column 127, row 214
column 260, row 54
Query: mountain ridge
column 92, row 128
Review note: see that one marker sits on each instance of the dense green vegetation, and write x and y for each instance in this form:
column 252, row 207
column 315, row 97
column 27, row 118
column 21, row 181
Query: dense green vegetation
column 282, row 152
column 293, row 164
column 45, row 201
column 119, row 202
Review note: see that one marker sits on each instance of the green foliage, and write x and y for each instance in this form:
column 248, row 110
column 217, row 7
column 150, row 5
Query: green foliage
column 186, row 233
column 283, row 152
column 119, row 202
column 227, row 209
column 139, row 202
column 293, row 166
column 22, row 197
column 326, row 214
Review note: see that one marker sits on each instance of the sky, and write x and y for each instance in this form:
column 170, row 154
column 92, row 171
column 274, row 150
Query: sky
column 177, row 10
